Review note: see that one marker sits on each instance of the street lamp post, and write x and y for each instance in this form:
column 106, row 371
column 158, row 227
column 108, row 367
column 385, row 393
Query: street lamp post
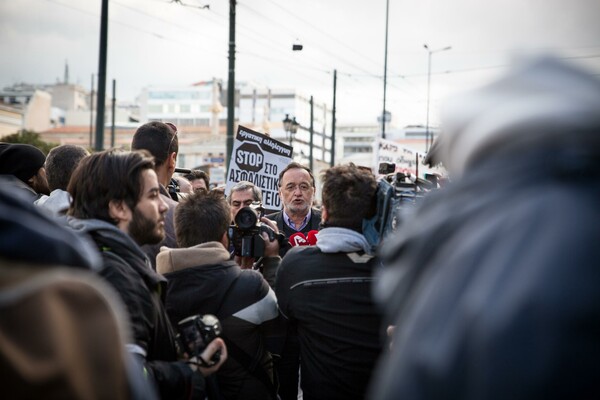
column 291, row 127
column 429, row 53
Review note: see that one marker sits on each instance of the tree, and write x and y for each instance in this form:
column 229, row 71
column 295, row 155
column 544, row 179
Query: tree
column 29, row 137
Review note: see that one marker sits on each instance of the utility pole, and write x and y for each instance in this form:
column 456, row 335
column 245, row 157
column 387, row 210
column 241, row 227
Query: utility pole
column 91, row 142
column 312, row 132
column 114, row 104
column 383, row 113
column 102, row 76
column 231, row 82
column 332, row 162
column 428, row 143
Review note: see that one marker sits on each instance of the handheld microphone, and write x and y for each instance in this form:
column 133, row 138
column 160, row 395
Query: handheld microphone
column 311, row 237
column 298, row 239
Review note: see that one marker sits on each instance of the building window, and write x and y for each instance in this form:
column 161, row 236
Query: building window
column 155, row 109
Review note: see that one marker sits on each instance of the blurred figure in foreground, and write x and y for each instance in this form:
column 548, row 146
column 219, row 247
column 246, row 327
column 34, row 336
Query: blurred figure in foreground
column 63, row 331
column 493, row 283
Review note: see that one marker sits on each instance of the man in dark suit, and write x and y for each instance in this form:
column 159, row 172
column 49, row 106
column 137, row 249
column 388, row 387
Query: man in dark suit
column 297, row 192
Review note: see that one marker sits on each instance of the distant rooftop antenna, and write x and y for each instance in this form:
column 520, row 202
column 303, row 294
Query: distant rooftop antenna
column 66, row 72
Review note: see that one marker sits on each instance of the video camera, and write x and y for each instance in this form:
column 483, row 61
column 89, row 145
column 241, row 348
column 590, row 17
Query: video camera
column 245, row 233
column 173, row 186
column 196, row 332
column 397, row 193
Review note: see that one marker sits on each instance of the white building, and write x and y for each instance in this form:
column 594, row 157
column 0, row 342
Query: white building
column 185, row 106
column 197, row 107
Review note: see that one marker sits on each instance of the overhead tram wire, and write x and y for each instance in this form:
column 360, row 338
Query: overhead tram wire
column 135, row 28
column 256, row 36
column 316, row 28
column 260, row 38
column 355, row 77
column 165, row 21
column 286, row 63
column 327, row 51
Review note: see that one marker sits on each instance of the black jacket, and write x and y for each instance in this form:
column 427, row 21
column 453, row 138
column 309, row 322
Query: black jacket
column 493, row 283
column 128, row 270
column 313, row 224
column 327, row 298
column 202, row 280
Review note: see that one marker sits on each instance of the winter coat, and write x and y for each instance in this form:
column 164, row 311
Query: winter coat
column 325, row 293
column 203, row 280
column 57, row 203
column 142, row 290
column 492, row 283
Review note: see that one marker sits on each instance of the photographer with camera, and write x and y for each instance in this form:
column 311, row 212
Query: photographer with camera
column 243, row 194
column 116, row 202
column 204, row 280
column 247, row 196
column 325, row 291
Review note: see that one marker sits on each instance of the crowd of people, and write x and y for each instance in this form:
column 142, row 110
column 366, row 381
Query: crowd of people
column 488, row 288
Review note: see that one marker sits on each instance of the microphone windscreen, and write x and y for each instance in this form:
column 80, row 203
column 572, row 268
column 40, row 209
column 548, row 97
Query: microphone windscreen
column 298, row 239
column 311, row 237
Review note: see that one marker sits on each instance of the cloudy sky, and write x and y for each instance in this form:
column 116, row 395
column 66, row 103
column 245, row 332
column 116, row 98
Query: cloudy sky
column 164, row 42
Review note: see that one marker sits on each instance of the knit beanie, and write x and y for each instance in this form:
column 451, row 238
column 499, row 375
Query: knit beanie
column 21, row 160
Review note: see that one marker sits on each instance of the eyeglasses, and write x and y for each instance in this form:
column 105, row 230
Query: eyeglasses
column 174, row 129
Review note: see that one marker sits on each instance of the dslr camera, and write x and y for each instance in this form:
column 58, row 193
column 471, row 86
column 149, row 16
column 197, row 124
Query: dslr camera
column 196, row 332
column 245, row 233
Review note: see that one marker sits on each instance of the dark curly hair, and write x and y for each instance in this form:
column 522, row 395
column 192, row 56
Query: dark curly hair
column 349, row 196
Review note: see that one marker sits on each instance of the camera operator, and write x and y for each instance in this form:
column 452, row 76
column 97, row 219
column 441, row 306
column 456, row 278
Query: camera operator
column 204, row 280
column 325, row 291
column 116, row 201
column 242, row 195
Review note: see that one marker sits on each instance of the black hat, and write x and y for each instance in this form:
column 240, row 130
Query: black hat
column 20, row 160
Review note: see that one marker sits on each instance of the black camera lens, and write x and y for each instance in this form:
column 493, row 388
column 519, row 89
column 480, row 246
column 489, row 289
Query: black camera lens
column 246, row 218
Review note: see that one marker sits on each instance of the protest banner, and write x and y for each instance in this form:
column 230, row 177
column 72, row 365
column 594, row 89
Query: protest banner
column 258, row 158
column 407, row 160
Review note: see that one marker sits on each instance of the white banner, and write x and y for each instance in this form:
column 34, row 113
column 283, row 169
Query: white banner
column 406, row 159
column 259, row 159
